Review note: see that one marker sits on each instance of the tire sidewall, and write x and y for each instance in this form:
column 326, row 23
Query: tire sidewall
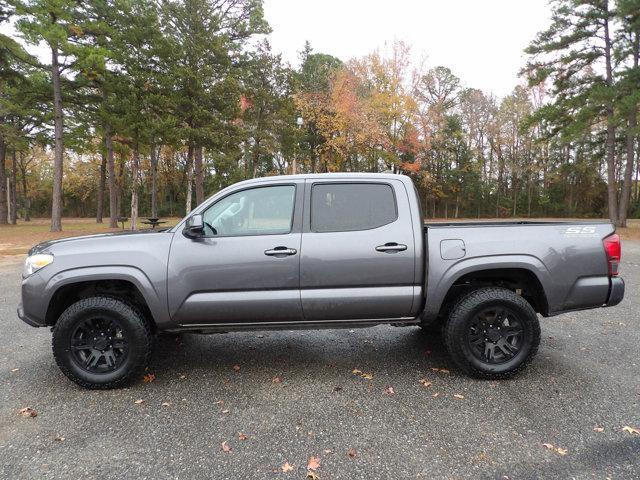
column 527, row 340
column 127, row 318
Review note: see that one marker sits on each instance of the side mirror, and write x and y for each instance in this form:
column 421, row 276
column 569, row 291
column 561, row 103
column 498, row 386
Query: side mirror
column 194, row 227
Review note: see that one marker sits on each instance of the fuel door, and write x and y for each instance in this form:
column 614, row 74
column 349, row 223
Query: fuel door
column 452, row 249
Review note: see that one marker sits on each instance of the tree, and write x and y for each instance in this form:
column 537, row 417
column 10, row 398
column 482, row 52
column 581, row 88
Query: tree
column 206, row 60
column 568, row 54
column 629, row 52
column 52, row 21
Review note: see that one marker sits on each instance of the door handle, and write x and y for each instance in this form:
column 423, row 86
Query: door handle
column 280, row 252
column 391, row 247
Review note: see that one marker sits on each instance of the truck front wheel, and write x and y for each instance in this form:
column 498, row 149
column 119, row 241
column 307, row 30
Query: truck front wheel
column 102, row 342
column 492, row 333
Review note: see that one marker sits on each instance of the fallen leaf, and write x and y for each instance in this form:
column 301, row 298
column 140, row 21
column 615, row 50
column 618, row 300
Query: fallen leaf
column 314, row 463
column 367, row 376
column 242, row 436
column 166, row 404
column 220, row 402
column 355, row 371
column 182, row 377
column 277, row 380
column 562, row 451
column 441, row 370
column 547, row 446
column 236, row 368
column 139, row 401
column 424, row 382
column 327, row 451
column 59, row 439
column 225, row 447
column 287, row 467
column 312, row 475
column 627, row 429
column 435, row 394
column 149, row 377
column 225, row 411
column 351, row 453
column 14, row 370
column 389, row 391
column 598, row 429
column 27, row 412
column 458, row 396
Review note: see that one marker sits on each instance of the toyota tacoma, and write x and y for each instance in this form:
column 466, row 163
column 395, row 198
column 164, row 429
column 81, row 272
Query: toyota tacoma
column 315, row 251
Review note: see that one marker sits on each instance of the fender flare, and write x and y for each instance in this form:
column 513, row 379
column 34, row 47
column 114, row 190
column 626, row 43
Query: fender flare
column 156, row 301
column 437, row 290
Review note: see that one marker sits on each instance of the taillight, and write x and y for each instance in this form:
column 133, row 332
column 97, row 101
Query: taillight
column 613, row 249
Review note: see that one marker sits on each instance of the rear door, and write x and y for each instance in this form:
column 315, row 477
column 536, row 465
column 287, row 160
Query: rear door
column 357, row 250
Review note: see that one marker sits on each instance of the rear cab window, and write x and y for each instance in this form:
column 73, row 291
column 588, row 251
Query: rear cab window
column 346, row 207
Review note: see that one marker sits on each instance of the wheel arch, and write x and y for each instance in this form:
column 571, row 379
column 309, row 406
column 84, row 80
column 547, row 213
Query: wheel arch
column 128, row 283
column 524, row 273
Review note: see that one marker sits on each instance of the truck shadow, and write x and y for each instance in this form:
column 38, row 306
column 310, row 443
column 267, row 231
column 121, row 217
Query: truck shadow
column 382, row 347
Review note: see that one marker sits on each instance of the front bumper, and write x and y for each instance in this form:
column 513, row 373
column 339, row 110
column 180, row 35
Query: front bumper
column 616, row 292
column 33, row 307
column 27, row 319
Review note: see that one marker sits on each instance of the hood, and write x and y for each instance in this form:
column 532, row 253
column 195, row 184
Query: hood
column 44, row 246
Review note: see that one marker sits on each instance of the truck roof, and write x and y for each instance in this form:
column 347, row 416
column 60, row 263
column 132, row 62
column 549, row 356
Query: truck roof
column 320, row 176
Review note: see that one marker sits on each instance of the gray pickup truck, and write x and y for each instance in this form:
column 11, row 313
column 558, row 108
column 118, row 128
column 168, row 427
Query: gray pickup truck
column 315, row 251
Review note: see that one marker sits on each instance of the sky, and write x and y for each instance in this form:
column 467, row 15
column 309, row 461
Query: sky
column 481, row 41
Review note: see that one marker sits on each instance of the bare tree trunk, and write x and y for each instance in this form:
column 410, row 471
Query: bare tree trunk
column 632, row 124
column 199, row 175
column 155, row 155
column 25, row 192
column 4, row 213
column 13, row 200
column 101, row 187
column 189, row 172
column 120, row 187
column 58, row 122
column 111, row 173
column 611, row 135
column 135, row 182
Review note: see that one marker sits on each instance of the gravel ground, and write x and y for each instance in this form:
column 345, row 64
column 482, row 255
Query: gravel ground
column 294, row 396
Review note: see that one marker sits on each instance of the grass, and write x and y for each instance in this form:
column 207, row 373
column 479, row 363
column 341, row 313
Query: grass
column 18, row 239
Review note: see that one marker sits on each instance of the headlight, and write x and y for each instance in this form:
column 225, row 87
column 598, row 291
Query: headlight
column 33, row 263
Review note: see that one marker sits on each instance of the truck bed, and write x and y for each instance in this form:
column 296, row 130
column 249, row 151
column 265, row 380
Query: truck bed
column 566, row 258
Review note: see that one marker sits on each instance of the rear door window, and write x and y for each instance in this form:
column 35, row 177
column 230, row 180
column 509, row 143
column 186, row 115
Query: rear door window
column 345, row 207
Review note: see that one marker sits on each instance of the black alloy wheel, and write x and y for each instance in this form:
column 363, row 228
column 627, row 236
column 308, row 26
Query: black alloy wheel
column 492, row 333
column 98, row 345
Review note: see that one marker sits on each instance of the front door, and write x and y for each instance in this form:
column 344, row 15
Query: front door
column 247, row 266
column 358, row 251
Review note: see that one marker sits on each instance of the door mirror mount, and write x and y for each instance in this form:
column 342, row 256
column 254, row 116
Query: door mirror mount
column 194, row 227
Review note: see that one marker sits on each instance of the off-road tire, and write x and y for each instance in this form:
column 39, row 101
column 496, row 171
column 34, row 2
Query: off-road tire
column 455, row 332
column 136, row 328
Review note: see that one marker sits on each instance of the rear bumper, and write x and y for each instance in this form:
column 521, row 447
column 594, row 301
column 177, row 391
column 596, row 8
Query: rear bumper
column 616, row 292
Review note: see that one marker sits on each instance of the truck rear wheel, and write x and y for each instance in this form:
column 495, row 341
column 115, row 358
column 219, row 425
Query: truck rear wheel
column 492, row 333
column 102, row 342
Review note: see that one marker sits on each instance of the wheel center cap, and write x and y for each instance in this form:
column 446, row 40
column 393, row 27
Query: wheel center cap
column 494, row 335
column 101, row 343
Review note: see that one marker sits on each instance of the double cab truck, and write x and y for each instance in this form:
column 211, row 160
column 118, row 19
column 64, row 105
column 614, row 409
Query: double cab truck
column 315, row 251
